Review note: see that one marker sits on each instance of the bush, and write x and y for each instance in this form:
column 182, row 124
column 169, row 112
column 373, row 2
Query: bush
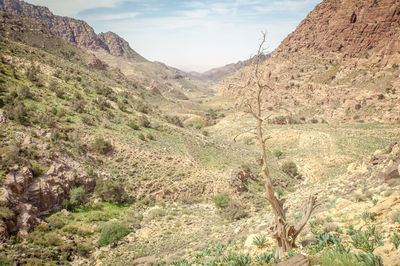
column 234, row 211
column 142, row 137
column 25, row 93
column 78, row 105
column 78, row 196
column 112, row 232
column 10, row 155
column 150, row 136
column 222, row 200
column 314, row 121
column 88, row 120
column 6, row 213
column 102, row 146
column 144, row 122
column 278, row 154
column 395, row 240
column 367, row 241
column 57, row 220
column 110, row 191
column 259, row 241
column 174, row 120
column 18, row 112
column 38, row 169
column 133, row 125
column 290, row 168
column 142, row 107
column 84, row 248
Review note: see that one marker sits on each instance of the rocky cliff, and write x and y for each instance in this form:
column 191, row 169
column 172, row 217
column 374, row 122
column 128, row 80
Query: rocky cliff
column 348, row 29
column 340, row 64
column 74, row 31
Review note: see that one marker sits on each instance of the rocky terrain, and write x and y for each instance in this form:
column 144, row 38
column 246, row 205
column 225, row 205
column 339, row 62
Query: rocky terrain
column 341, row 64
column 109, row 159
column 74, row 31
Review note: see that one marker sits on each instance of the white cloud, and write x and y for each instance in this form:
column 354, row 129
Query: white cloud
column 110, row 17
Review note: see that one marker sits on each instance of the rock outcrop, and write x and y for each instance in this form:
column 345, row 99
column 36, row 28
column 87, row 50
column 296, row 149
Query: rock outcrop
column 346, row 29
column 341, row 64
column 75, row 31
column 28, row 197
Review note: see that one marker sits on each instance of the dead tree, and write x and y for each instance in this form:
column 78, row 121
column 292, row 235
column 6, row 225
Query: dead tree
column 255, row 89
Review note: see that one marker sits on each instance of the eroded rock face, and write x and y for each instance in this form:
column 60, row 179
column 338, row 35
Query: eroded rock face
column 74, row 31
column 348, row 29
column 28, row 197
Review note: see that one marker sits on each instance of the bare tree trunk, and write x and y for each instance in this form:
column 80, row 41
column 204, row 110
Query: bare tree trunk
column 284, row 233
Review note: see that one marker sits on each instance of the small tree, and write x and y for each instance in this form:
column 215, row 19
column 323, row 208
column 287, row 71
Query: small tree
column 254, row 88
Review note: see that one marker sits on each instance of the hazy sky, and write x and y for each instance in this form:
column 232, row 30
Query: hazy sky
column 190, row 35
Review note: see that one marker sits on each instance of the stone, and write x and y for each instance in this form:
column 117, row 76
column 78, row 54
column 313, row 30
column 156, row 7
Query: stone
column 342, row 203
column 149, row 260
column 296, row 260
column 385, row 205
column 391, row 172
column 307, row 242
column 3, row 118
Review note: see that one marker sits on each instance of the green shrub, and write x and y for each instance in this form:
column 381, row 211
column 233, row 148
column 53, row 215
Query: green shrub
column 78, row 197
column 278, row 154
column 395, row 240
column 5, row 213
column 259, row 241
column 142, row 107
column 84, row 248
column 141, row 137
column 367, row 216
column 150, row 136
column 290, row 168
column 234, row 211
column 133, row 125
column 110, row 191
column 314, row 121
column 222, row 200
column 10, row 155
column 145, row 122
column 112, row 232
column 88, row 120
column 38, row 169
column 58, row 220
column 25, row 93
column 367, row 241
column 97, row 216
column 339, row 258
column 18, row 112
column 175, row 120
column 102, row 146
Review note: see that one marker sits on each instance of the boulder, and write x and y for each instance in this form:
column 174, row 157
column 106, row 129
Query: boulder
column 149, row 260
column 296, row 260
column 391, row 172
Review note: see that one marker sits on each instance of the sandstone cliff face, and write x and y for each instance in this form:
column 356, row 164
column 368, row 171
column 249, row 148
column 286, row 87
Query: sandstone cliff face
column 74, row 31
column 341, row 64
column 343, row 28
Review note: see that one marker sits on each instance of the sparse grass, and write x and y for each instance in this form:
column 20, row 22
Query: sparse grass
column 112, row 232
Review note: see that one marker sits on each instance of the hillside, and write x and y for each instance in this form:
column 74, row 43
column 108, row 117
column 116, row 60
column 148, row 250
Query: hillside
column 218, row 74
column 338, row 69
column 112, row 49
column 109, row 159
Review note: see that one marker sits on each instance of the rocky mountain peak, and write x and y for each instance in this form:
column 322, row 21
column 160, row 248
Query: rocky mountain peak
column 117, row 46
column 75, row 31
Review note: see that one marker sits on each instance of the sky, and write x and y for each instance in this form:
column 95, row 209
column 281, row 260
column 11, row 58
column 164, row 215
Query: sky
column 192, row 35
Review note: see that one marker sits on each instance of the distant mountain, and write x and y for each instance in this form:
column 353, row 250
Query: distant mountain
column 218, row 74
column 75, row 31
